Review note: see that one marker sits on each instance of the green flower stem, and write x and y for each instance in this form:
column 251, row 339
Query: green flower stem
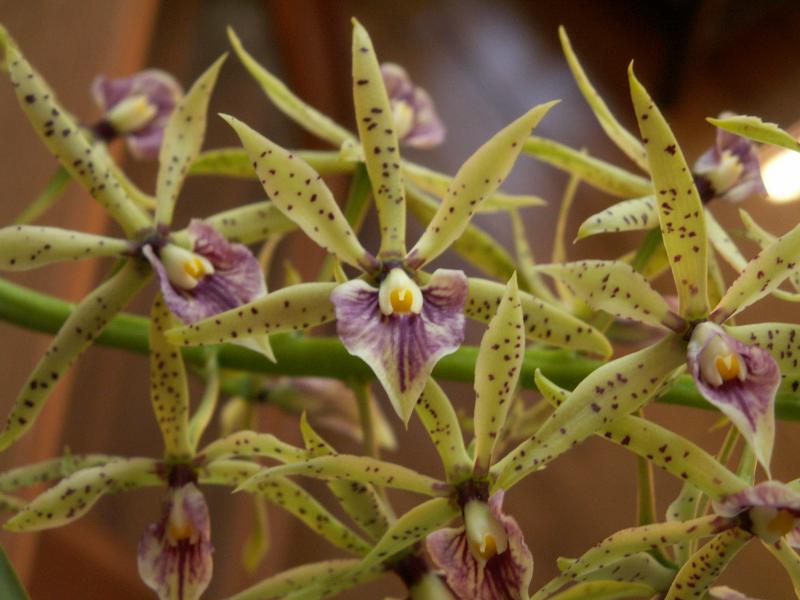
column 45, row 199
column 326, row 356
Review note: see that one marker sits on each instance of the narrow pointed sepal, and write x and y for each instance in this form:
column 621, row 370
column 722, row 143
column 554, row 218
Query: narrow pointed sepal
column 174, row 555
column 280, row 585
column 84, row 161
column 292, row 308
column 544, row 322
column 723, row 243
column 299, row 192
column 753, row 128
column 497, row 371
column 378, row 133
column 741, row 380
column 72, row 497
column 440, row 420
column 251, row 223
column 183, row 137
column 618, row 289
column 25, row 247
column 628, row 215
column 478, row 178
column 169, row 390
column 402, row 348
column 764, row 239
column 606, row 590
column 84, row 324
column 507, row 574
column 679, row 207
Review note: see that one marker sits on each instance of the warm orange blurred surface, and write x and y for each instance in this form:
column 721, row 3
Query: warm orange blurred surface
column 484, row 63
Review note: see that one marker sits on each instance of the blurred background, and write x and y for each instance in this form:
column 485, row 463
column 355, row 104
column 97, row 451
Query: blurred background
column 484, row 63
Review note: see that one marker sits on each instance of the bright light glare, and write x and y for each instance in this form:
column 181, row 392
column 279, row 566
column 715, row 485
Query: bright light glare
column 781, row 175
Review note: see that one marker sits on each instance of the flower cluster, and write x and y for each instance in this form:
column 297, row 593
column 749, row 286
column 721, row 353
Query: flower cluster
column 395, row 321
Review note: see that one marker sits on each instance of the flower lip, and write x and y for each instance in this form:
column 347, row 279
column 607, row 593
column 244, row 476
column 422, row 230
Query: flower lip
column 768, row 510
column 719, row 362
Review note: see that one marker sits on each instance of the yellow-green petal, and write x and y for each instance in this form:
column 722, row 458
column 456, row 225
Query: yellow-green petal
column 680, row 210
column 251, row 223
column 757, row 130
column 249, row 444
column 782, row 341
column 439, row 418
column 278, row 586
column 234, row 162
column 628, row 215
column 49, row 470
column 606, row 590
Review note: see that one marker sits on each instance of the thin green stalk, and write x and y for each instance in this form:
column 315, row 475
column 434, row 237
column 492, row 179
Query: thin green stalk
column 649, row 244
column 326, row 356
column 364, row 400
column 45, row 199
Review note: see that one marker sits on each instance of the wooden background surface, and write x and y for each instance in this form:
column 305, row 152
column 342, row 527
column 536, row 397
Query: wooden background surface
column 484, row 63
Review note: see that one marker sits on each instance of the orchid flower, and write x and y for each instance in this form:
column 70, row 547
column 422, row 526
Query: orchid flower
column 137, row 108
column 737, row 369
column 200, row 272
column 413, row 113
column 396, row 317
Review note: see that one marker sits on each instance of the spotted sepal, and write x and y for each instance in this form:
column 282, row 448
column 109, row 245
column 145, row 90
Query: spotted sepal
column 299, row 192
column 183, row 137
column 379, row 144
column 292, row 308
column 62, row 135
column 287, row 102
column 764, row 238
column 250, row 444
column 49, row 470
column 757, row 130
column 477, row 179
column 704, row 567
column 616, row 132
column 437, row 184
column 597, row 173
column 83, row 325
column 497, row 371
column 439, row 418
column 280, row 585
column 762, row 275
column 628, row 215
column 73, row 496
column 782, row 341
column 338, row 583
column 683, row 508
column 639, row 567
column 608, row 393
column 25, row 247
column 361, row 469
column 234, row 162
column 615, row 287
column 680, row 210
column 529, row 279
column 251, row 223
column 544, row 322
column 605, row 590
column 169, row 389
column 360, row 501
column 475, row 245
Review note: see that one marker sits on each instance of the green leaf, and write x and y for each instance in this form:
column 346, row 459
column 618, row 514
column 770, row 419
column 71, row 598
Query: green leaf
column 251, row 223
column 497, row 371
column 248, row 444
column 10, row 585
column 73, row 496
column 299, row 192
column 24, row 247
column 757, row 130
column 169, row 389
column 278, row 586
column 616, row 132
column 84, row 324
column 608, row 393
column 605, row 590
column 292, row 308
column 288, row 103
column 475, row 245
column 680, row 210
column 782, row 341
column 183, row 137
column 628, row 215
column 597, row 173
column 544, row 322
column 478, row 178
column 64, row 138
column 761, row 275
column 361, row 469
column 615, row 287
column 703, row 568
column 439, row 418
column 381, row 149
column 360, row 501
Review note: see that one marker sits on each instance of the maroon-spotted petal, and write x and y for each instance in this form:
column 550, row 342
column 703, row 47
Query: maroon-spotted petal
column 160, row 89
column 505, row 576
column 175, row 553
column 402, row 349
column 748, row 401
column 772, row 507
column 709, row 170
column 423, row 127
column 237, row 277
